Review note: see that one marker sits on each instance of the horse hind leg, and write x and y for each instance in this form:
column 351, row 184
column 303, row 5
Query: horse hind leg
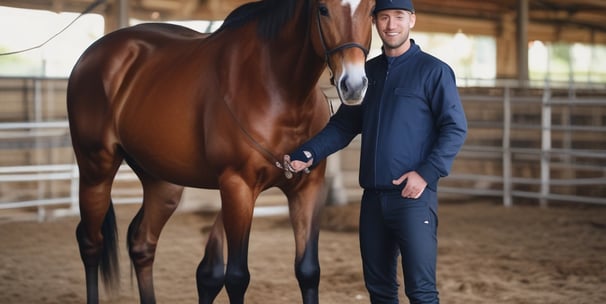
column 101, row 255
column 96, row 232
column 160, row 199
column 210, row 275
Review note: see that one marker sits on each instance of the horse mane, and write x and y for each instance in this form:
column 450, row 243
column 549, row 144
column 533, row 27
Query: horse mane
column 272, row 15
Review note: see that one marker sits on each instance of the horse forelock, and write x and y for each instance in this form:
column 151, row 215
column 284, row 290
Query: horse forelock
column 272, row 15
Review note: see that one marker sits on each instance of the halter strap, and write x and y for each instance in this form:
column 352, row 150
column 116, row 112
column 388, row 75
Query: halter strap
column 328, row 52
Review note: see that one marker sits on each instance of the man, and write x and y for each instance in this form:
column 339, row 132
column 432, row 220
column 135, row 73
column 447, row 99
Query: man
column 412, row 125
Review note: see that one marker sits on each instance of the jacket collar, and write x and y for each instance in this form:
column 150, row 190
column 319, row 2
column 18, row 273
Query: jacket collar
column 413, row 50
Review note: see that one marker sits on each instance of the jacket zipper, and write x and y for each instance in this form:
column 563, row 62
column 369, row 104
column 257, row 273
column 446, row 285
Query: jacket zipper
column 379, row 118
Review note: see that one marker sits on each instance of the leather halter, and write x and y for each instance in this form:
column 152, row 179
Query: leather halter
column 328, row 52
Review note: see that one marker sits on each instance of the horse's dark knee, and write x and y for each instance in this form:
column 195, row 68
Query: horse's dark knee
column 210, row 278
column 308, row 274
column 236, row 281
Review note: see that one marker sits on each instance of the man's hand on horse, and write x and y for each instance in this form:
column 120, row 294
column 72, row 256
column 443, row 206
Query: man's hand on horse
column 298, row 161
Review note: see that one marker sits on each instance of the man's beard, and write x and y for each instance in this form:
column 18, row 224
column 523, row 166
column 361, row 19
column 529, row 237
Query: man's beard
column 397, row 45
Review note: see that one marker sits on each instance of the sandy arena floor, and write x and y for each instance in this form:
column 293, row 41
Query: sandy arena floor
column 487, row 254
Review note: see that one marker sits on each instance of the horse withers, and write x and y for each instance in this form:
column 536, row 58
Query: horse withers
column 188, row 110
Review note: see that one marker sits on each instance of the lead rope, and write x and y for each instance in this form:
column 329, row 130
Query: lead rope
column 284, row 165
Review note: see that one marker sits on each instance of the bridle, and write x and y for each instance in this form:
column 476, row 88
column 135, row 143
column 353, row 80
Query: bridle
column 328, row 52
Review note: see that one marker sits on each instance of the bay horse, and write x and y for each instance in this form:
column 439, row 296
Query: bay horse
column 183, row 109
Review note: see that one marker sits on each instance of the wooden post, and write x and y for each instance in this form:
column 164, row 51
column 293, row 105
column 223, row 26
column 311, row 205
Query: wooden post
column 522, row 43
column 116, row 15
column 506, row 48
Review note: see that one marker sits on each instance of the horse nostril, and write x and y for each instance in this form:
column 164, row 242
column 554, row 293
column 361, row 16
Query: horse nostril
column 343, row 84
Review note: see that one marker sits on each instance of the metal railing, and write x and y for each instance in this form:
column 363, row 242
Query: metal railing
column 547, row 158
column 544, row 158
column 29, row 181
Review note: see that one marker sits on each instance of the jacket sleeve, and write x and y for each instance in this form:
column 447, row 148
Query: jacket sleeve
column 451, row 125
column 336, row 135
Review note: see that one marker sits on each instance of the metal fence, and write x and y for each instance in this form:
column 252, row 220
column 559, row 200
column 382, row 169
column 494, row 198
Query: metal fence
column 550, row 142
column 37, row 166
column 546, row 143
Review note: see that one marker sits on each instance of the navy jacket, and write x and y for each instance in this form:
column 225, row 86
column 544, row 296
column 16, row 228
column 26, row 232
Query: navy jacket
column 410, row 119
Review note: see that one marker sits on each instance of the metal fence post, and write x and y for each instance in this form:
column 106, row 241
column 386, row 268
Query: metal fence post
column 507, row 187
column 37, row 155
column 545, row 144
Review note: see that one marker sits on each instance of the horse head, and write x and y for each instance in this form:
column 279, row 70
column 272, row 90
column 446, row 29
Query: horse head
column 342, row 35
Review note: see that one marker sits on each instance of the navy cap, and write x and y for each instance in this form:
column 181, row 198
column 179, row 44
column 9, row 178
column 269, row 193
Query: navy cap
column 382, row 5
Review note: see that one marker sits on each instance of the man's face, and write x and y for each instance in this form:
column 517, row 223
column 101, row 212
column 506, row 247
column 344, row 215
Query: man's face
column 394, row 27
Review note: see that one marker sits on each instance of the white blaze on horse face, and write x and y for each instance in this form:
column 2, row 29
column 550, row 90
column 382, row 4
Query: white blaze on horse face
column 352, row 83
column 353, row 4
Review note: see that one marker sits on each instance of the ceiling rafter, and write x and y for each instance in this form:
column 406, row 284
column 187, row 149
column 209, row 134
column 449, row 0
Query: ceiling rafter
column 585, row 14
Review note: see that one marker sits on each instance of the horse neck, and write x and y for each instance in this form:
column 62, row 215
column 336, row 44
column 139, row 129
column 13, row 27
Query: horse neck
column 293, row 57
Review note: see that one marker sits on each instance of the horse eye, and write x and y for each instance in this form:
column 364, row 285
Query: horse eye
column 323, row 10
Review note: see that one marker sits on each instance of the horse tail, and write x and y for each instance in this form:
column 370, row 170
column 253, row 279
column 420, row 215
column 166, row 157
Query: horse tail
column 109, row 264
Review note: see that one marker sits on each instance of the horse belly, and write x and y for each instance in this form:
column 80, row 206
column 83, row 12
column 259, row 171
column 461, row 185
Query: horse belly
column 168, row 146
column 170, row 157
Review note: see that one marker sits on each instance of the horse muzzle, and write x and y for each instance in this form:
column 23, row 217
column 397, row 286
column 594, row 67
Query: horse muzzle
column 351, row 84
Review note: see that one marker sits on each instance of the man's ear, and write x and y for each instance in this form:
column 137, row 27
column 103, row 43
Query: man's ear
column 413, row 20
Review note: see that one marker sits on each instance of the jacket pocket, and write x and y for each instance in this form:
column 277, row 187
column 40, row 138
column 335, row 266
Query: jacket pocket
column 407, row 91
column 410, row 104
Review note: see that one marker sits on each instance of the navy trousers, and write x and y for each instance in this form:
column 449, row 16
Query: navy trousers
column 392, row 226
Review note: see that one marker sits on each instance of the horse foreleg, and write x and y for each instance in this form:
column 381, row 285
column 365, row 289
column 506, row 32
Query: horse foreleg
column 210, row 275
column 237, row 202
column 304, row 208
column 160, row 199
